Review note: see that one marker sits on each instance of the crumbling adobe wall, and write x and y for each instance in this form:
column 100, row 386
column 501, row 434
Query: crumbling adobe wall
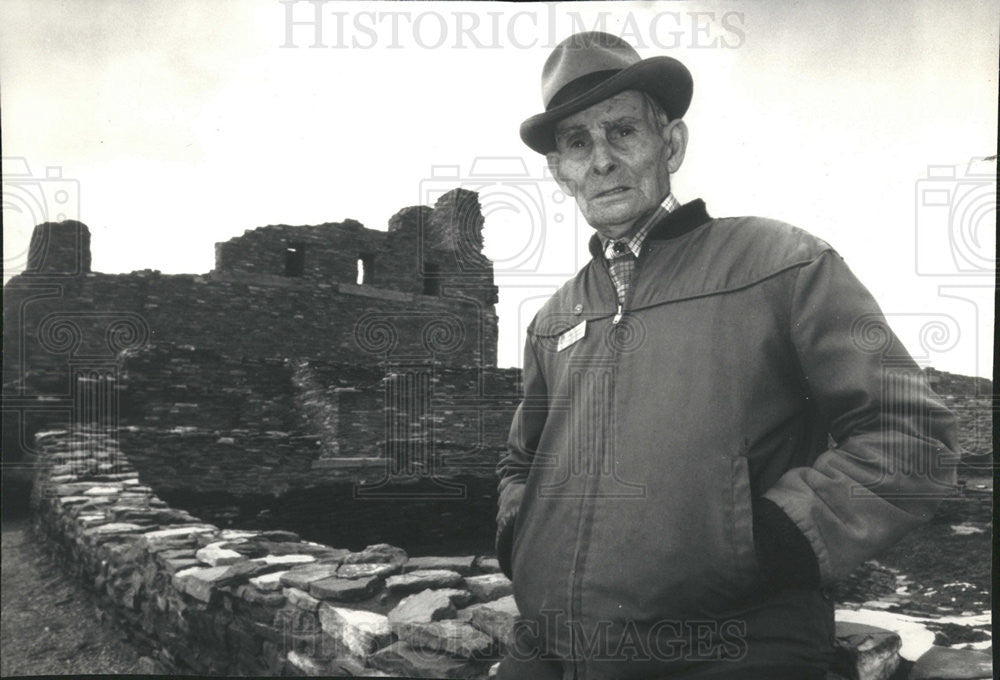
column 197, row 599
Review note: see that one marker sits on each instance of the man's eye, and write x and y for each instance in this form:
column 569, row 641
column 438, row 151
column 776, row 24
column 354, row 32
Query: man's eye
column 625, row 130
column 576, row 143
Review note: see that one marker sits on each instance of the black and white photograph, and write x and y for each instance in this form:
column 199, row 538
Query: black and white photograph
column 555, row 341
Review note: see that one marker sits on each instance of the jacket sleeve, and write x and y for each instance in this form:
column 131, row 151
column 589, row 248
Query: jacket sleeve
column 525, row 431
column 895, row 452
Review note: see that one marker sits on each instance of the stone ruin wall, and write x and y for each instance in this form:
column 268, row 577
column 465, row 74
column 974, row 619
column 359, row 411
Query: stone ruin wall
column 198, row 419
column 199, row 600
column 428, row 297
column 256, row 377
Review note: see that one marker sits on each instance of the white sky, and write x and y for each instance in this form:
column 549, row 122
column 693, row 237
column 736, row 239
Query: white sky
column 177, row 124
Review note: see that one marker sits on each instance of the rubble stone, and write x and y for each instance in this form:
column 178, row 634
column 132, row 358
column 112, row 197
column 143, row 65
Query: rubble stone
column 870, row 652
column 461, row 564
column 360, row 632
column 428, row 605
column 489, row 586
column 418, row 580
column 449, row 636
column 344, row 589
column 399, row 658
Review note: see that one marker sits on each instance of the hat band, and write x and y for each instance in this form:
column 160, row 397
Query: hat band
column 575, row 88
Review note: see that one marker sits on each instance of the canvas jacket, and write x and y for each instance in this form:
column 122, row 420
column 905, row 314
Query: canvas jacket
column 750, row 388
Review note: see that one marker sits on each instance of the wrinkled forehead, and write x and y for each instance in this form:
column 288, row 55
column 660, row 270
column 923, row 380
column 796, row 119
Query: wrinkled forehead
column 627, row 104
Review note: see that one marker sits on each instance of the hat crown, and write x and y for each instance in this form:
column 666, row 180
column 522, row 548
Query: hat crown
column 581, row 55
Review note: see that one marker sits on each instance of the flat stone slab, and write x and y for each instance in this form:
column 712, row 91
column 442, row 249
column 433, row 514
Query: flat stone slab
column 250, row 594
column 301, row 599
column 305, row 664
column 487, row 565
column 198, row 582
column 301, row 577
column 180, row 564
column 359, row 632
column 867, row 651
column 449, row 636
column 236, row 534
column 381, row 569
column 423, row 578
column 495, row 619
column 344, row 589
column 489, row 586
column 113, row 529
column 400, row 659
column 942, row 663
column 379, row 552
column 462, row 564
column 107, row 490
column 428, row 605
column 268, row 582
column 243, row 571
column 215, row 555
column 176, row 532
column 286, row 560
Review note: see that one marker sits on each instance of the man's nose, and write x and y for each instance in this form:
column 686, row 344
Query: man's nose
column 603, row 159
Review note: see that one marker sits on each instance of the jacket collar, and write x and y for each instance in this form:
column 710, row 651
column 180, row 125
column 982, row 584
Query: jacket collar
column 673, row 224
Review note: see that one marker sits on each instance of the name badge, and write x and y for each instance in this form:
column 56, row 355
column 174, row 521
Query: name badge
column 571, row 336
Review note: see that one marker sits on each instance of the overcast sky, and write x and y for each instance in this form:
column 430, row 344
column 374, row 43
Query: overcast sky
column 177, row 124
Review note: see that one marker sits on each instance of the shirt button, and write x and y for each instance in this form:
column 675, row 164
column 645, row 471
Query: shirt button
column 578, row 308
column 619, row 248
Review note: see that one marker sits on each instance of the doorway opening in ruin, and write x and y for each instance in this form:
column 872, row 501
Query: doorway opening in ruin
column 295, row 259
column 366, row 269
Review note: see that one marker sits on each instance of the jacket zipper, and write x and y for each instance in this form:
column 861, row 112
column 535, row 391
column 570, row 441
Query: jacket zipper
column 578, row 671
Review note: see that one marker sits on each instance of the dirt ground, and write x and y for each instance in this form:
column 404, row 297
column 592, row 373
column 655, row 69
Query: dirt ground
column 49, row 625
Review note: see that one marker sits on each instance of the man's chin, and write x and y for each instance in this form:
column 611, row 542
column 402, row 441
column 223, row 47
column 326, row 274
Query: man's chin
column 614, row 226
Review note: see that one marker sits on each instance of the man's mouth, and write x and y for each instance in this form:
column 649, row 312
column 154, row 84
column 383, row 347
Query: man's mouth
column 609, row 193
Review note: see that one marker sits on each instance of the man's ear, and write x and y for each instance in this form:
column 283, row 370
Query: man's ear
column 675, row 136
column 552, row 157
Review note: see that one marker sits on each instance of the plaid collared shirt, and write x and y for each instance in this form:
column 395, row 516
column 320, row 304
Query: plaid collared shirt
column 621, row 253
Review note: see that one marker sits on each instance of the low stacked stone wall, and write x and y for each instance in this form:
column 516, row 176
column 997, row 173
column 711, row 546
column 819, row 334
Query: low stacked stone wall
column 199, row 599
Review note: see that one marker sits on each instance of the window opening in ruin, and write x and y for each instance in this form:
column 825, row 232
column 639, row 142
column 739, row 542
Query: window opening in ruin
column 366, row 269
column 295, row 259
column 432, row 284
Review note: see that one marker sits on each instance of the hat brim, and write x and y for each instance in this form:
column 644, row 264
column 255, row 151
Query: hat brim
column 665, row 78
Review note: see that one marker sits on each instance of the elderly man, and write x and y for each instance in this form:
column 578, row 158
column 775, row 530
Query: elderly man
column 717, row 422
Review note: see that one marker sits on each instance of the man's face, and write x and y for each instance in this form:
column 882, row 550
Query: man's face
column 615, row 162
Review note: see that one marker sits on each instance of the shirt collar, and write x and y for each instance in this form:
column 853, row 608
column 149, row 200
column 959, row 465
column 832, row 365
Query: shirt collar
column 635, row 241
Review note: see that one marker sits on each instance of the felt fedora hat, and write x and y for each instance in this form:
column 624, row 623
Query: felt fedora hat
column 587, row 68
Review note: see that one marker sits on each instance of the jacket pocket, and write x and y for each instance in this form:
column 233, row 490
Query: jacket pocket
column 744, row 556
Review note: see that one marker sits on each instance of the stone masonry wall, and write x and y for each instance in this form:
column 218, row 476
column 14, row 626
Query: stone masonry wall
column 197, row 599
column 201, row 420
column 427, row 297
